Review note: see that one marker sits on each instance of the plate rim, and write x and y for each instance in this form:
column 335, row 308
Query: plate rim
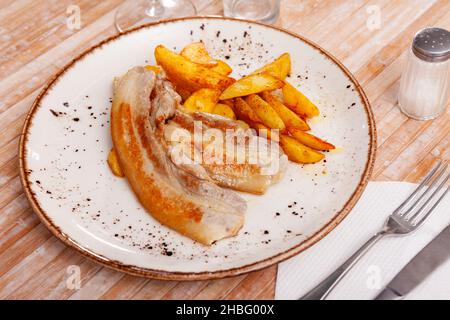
column 191, row 276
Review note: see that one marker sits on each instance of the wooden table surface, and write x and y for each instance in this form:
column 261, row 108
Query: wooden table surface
column 369, row 36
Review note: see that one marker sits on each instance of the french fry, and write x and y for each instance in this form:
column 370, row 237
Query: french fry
column 155, row 69
column 269, row 117
column 114, row 165
column 197, row 53
column 280, row 68
column 224, row 110
column 298, row 102
column 251, row 84
column 290, row 118
column 222, row 68
column 189, row 75
column 203, row 100
column 245, row 112
column 298, row 152
column 310, row 141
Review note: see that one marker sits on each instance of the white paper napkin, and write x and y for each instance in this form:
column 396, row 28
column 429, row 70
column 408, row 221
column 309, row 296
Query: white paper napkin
column 378, row 267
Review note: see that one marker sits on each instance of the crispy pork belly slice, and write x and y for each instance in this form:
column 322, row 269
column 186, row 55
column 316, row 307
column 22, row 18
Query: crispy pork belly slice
column 241, row 160
column 187, row 201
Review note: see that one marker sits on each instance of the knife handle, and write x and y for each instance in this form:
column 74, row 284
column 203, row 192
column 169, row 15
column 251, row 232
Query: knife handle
column 323, row 289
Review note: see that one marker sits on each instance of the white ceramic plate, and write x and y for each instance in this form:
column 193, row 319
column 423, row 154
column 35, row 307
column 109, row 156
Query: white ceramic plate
column 66, row 139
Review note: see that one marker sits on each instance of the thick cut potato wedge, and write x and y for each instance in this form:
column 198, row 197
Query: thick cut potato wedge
column 298, row 152
column 266, row 132
column 222, row 68
column 243, row 124
column 184, row 93
column 251, row 84
column 224, row 110
column 189, row 75
column 269, row 117
column 155, row 69
column 290, row 118
column 310, row 141
column 229, row 103
column 245, row 112
column 114, row 164
column 197, row 53
column 203, row 100
column 298, row 102
column 280, row 68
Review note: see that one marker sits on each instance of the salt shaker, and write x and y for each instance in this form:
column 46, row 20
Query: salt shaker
column 424, row 87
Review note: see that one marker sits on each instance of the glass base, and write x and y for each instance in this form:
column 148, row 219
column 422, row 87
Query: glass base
column 266, row 11
column 134, row 13
column 425, row 118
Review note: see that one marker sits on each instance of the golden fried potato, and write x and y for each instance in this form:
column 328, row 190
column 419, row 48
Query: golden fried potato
column 243, row 124
column 251, row 84
column 224, row 110
column 222, row 68
column 184, row 93
column 114, row 165
column 290, row 118
column 197, row 53
column 245, row 112
column 203, row 100
column 228, row 102
column 266, row 132
column 189, row 75
column 298, row 102
column 280, row 68
column 155, row 69
column 298, row 152
column 269, row 117
column 309, row 140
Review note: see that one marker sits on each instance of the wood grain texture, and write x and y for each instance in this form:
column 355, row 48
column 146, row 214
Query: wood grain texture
column 35, row 43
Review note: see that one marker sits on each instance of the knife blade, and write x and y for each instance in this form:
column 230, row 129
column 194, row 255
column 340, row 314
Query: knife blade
column 422, row 265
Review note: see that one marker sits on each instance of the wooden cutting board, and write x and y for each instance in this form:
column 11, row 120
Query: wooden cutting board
column 369, row 37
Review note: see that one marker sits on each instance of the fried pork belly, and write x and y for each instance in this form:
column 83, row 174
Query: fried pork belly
column 188, row 197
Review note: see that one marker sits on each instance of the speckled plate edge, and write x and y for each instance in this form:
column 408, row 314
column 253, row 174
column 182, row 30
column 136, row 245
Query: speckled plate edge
column 165, row 275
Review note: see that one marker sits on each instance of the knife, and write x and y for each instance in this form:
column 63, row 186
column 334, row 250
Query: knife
column 422, row 265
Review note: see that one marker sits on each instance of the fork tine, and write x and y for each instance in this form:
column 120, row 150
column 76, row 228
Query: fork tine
column 433, row 181
column 420, row 187
column 422, row 208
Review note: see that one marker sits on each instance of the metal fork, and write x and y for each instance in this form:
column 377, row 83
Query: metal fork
column 409, row 216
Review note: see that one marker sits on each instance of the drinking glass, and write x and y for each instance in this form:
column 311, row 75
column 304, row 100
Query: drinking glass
column 266, row 11
column 136, row 12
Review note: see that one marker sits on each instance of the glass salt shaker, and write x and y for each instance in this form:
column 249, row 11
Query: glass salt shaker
column 424, row 87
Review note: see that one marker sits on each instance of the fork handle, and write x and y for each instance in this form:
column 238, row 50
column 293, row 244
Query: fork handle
column 323, row 289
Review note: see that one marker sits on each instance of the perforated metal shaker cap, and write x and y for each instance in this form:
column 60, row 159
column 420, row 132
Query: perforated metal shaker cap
column 432, row 44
